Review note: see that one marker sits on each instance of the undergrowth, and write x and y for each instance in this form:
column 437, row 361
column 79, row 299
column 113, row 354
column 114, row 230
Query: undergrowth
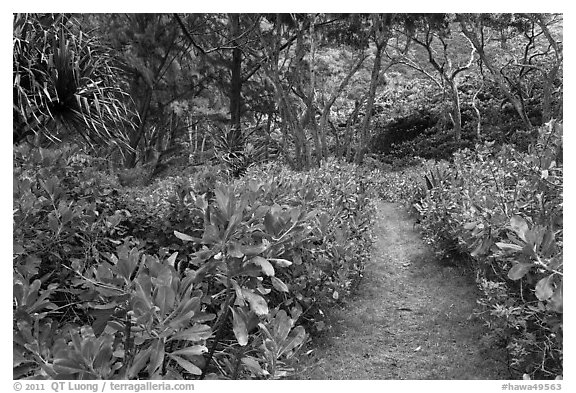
column 196, row 277
column 503, row 209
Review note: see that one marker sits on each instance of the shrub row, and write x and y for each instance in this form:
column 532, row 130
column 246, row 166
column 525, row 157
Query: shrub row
column 503, row 209
column 226, row 281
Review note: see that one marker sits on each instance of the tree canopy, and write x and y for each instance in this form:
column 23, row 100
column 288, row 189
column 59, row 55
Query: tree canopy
column 308, row 85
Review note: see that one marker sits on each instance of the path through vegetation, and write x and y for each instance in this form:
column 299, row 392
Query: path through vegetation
column 411, row 319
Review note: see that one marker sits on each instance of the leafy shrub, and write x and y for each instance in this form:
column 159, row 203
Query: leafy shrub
column 337, row 238
column 138, row 176
column 430, row 145
column 65, row 219
column 503, row 209
column 402, row 130
column 230, row 297
column 405, row 184
column 63, row 211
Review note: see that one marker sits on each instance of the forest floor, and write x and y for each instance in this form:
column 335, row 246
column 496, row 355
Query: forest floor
column 412, row 316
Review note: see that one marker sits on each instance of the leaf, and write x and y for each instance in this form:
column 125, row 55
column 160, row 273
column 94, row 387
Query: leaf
column 234, row 250
column 222, row 201
column 140, row 360
column 186, row 238
column 197, row 332
column 257, row 302
column 483, row 247
column 211, row 235
column 67, row 366
column 519, row 226
column 142, row 294
column 280, row 262
column 101, row 320
column 544, row 288
column 190, row 305
column 429, row 185
column 469, row 226
column 164, row 299
column 172, row 259
column 234, row 221
column 281, row 326
column 279, row 284
column 250, row 251
column 182, row 320
column 270, row 224
column 191, row 351
column 253, row 365
column 187, row 365
column 53, row 223
column 266, row 266
column 509, row 247
column 296, row 338
column 156, row 358
column 556, row 301
column 127, row 261
column 239, row 327
column 548, row 244
column 519, row 270
column 202, row 317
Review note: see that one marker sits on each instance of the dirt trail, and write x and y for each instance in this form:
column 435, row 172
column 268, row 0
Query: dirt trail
column 411, row 318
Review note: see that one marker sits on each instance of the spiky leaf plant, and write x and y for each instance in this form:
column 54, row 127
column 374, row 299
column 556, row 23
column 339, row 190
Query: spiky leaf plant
column 64, row 82
column 233, row 150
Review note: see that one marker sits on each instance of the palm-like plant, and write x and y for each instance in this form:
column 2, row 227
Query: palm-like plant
column 64, row 80
column 233, row 149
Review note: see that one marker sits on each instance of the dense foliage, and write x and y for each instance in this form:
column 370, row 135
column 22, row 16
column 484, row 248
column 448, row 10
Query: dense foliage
column 65, row 83
column 258, row 261
column 184, row 204
column 503, row 210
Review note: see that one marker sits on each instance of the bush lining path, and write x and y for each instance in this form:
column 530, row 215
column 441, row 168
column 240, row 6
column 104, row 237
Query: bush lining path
column 411, row 318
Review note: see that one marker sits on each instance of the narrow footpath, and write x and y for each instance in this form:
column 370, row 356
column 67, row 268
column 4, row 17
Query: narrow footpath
column 412, row 317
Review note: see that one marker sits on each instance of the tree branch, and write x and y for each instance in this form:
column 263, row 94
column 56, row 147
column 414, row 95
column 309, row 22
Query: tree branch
column 344, row 82
column 463, row 68
column 188, row 35
column 265, row 59
column 410, row 63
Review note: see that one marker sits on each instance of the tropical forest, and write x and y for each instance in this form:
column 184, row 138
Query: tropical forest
column 287, row 196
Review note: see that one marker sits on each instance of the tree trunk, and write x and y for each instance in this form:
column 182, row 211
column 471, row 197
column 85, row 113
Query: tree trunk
column 478, row 115
column 336, row 139
column 350, row 130
column 306, row 94
column 317, row 134
column 268, row 127
column 311, row 118
column 326, row 110
column 547, row 94
column 456, row 114
column 549, row 77
column 236, row 71
column 285, row 139
column 300, row 144
column 289, row 117
column 363, row 142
